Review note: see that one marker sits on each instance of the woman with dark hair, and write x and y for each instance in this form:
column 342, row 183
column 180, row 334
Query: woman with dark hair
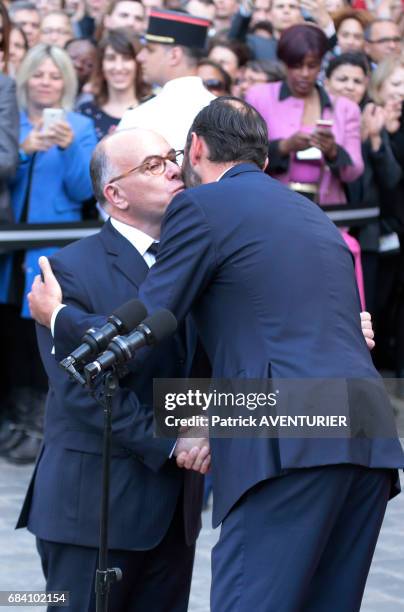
column 5, row 27
column 348, row 75
column 230, row 54
column 116, row 81
column 18, row 49
column 214, row 77
column 315, row 144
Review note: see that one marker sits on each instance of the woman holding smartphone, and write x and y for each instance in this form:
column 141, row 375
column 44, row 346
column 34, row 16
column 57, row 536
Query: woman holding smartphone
column 51, row 182
column 315, row 142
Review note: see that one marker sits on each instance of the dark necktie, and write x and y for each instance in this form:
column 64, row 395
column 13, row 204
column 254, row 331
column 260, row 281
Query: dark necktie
column 153, row 249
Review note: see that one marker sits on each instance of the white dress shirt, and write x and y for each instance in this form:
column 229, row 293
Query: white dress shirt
column 172, row 111
column 137, row 238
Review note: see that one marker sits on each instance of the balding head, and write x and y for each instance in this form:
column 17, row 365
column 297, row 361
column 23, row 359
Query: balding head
column 131, row 179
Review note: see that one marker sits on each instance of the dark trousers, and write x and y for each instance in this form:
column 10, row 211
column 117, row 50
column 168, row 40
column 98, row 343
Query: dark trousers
column 19, row 355
column 302, row 542
column 156, row 580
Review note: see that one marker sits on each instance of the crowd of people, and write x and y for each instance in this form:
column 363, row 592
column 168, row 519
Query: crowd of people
column 220, row 92
column 326, row 75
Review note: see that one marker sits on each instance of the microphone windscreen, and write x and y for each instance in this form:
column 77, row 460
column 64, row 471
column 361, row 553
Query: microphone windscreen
column 130, row 314
column 162, row 324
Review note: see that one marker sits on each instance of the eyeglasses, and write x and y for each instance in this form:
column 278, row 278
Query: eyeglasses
column 155, row 164
column 385, row 41
column 214, row 84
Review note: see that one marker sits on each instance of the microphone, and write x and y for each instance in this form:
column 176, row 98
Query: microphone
column 123, row 319
column 153, row 330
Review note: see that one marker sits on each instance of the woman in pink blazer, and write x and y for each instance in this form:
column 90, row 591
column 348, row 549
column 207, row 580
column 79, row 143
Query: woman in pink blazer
column 315, row 141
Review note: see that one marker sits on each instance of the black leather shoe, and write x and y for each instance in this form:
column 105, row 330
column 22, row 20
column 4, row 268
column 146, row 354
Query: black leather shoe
column 25, row 452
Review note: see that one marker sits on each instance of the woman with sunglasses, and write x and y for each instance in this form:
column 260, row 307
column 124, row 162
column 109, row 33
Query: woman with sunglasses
column 214, row 77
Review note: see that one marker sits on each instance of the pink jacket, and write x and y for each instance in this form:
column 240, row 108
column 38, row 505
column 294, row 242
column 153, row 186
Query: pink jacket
column 283, row 118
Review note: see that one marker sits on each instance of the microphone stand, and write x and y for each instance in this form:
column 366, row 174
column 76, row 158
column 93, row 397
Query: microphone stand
column 106, row 576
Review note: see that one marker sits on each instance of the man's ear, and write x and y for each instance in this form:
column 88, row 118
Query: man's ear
column 196, row 149
column 115, row 196
column 266, row 162
column 175, row 56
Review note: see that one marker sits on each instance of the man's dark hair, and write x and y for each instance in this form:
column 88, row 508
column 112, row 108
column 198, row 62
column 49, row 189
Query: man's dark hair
column 352, row 59
column 265, row 26
column 192, row 54
column 233, row 131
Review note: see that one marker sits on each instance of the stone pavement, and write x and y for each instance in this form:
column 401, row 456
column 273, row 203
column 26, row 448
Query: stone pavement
column 20, row 567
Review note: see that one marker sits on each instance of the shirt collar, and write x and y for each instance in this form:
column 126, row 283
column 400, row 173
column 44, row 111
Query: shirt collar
column 135, row 236
column 185, row 83
column 325, row 101
column 224, row 172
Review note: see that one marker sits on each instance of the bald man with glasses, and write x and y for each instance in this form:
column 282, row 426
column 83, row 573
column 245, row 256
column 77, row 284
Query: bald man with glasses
column 155, row 506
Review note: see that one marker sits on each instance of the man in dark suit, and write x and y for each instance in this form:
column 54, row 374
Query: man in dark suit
column 155, row 506
column 271, row 288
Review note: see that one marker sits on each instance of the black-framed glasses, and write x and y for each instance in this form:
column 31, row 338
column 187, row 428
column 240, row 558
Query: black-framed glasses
column 155, row 164
column 385, row 41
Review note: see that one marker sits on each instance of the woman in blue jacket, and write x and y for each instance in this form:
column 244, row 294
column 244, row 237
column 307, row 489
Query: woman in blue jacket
column 51, row 183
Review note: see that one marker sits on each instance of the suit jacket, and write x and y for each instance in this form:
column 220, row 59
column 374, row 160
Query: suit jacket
column 98, row 274
column 274, row 102
column 8, row 143
column 271, row 286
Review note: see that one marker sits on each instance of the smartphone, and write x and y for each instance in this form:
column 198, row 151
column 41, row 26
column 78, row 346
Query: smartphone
column 51, row 116
column 324, row 124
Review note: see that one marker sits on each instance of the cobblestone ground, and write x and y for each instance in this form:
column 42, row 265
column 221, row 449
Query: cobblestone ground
column 20, row 567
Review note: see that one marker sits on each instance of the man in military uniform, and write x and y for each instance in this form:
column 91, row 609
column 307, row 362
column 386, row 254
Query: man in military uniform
column 175, row 42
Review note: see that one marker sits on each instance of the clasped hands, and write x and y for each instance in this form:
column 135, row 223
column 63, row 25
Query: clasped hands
column 193, row 453
column 322, row 138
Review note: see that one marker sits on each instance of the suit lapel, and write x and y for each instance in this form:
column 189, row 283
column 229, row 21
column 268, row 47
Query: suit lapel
column 124, row 256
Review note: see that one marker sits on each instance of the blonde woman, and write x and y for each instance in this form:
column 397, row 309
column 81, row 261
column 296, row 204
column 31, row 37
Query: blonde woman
column 53, row 177
column 387, row 90
column 51, row 182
